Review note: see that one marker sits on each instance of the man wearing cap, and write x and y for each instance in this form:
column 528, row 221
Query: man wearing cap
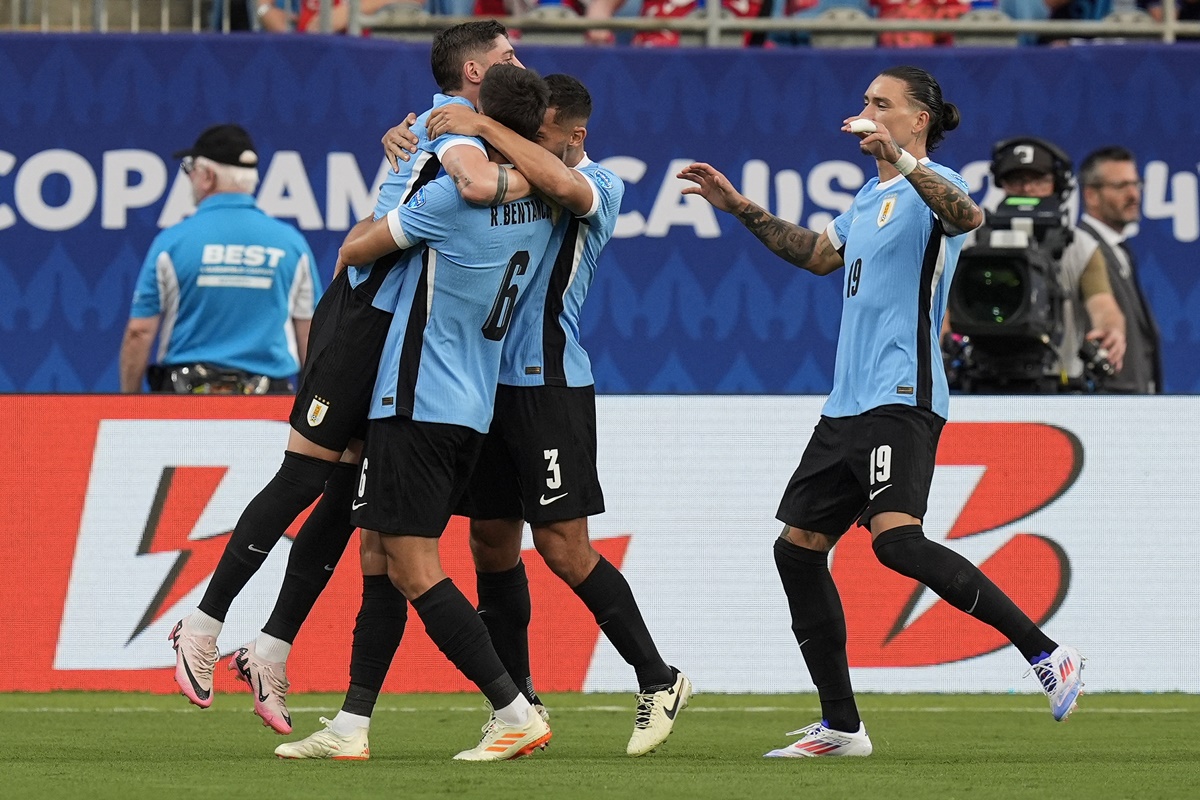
column 1032, row 167
column 231, row 290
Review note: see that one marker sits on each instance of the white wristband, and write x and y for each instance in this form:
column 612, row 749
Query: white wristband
column 906, row 163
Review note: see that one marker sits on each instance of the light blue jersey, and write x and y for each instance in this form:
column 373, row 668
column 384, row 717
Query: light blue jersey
column 543, row 346
column 401, row 184
column 455, row 303
column 899, row 264
column 228, row 281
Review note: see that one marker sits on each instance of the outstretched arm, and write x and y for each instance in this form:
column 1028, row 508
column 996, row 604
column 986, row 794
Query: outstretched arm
column 478, row 180
column 542, row 168
column 798, row 246
column 481, row 181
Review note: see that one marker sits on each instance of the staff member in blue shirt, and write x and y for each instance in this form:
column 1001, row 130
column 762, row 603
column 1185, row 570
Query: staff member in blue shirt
column 870, row 460
column 229, row 291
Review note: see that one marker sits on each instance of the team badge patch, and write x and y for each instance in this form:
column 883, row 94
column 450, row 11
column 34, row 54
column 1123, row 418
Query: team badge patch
column 885, row 211
column 316, row 412
column 418, row 199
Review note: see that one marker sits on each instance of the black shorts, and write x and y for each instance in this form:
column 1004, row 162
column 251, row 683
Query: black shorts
column 539, row 459
column 345, row 343
column 412, row 476
column 857, row 467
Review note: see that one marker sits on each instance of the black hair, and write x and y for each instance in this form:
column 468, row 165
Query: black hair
column 456, row 46
column 515, row 97
column 1089, row 170
column 924, row 90
column 570, row 98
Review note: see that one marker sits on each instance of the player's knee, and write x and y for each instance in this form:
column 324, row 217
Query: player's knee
column 899, row 548
column 566, row 549
column 496, row 544
column 371, row 555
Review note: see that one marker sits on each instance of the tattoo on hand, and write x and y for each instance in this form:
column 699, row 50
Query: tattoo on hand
column 501, row 186
column 790, row 242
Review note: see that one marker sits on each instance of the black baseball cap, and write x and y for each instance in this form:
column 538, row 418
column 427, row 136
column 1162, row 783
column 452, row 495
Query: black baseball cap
column 1023, row 155
column 224, row 144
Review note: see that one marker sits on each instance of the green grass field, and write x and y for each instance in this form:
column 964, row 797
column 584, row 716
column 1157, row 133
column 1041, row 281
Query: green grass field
column 75, row 744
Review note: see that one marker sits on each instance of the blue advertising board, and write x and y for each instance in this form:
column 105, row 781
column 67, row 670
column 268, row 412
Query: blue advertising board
column 685, row 300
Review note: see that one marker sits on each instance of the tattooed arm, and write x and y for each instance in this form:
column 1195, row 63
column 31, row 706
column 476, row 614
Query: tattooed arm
column 796, row 245
column 954, row 207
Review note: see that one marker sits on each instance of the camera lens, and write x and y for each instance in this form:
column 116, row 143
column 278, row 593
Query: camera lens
column 991, row 292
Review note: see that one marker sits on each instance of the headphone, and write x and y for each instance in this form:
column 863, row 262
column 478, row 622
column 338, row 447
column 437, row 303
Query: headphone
column 1064, row 172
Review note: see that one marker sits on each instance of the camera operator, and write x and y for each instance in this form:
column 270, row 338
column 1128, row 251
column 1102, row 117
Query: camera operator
column 1029, row 167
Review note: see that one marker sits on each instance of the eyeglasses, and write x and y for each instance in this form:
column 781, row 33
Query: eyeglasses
column 1118, row 186
column 188, row 165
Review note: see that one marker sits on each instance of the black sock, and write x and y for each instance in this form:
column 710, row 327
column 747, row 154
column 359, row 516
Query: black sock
column 819, row 625
column 315, row 552
column 462, row 637
column 505, row 609
column 299, row 481
column 961, row 584
column 377, row 634
column 607, row 595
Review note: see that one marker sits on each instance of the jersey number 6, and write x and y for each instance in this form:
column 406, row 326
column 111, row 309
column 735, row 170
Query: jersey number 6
column 506, row 299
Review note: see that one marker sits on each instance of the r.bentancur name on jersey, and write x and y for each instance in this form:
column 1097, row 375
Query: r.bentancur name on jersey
column 520, row 212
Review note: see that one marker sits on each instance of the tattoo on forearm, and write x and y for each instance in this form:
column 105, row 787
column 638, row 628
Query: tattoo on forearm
column 949, row 202
column 790, row 242
column 501, row 185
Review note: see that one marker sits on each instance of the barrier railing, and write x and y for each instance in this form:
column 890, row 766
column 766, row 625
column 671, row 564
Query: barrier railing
column 710, row 27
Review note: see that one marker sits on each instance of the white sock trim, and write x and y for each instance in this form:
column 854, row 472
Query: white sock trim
column 346, row 724
column 201, row 624
column 515, row 713
column 269, row 648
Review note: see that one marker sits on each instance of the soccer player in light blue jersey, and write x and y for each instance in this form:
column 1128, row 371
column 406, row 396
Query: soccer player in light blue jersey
column 538, row 463
column 871, row 457
column 328, row 419
column 433, row 400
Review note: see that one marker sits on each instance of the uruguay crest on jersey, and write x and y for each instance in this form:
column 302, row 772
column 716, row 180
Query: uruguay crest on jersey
column 316, row 412
column 885, row 210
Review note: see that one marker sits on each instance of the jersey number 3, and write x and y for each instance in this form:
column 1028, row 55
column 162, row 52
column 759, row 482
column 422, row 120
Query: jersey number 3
column 506, row 299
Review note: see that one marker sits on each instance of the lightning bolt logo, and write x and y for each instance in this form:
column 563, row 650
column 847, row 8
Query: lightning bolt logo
column 182, row 495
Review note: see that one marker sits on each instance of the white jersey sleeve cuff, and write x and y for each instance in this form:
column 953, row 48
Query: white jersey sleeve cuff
column 445, row 144
column 834, row 239
column 397, row 230
column 591, row 212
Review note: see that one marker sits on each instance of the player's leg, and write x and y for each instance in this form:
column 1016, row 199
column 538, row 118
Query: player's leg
column 318, row 547
column 821, row 501
column 492, row 501
column 300, row 480
column 504, row 604
column 903, row 444
column 551, row 433
column 378, row 630
column 663, row 691
column 414, row 474
column 328, row 413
